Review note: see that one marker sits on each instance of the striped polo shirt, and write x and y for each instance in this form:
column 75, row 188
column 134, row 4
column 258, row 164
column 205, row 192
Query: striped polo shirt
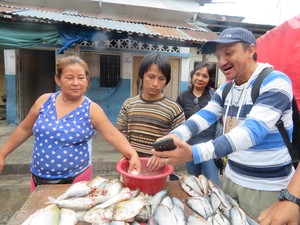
column 257, row 156
column 143, row 121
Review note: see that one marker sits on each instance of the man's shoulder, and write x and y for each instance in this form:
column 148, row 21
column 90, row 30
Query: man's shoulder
column 132, row 100
column 171, row 103
column 276, row 76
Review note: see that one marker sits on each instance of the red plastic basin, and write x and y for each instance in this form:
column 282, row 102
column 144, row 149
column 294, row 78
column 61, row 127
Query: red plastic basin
column 147, row 181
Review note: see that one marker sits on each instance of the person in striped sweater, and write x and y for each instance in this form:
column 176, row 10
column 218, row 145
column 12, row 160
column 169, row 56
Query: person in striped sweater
column 150, row 115
column 259, row 164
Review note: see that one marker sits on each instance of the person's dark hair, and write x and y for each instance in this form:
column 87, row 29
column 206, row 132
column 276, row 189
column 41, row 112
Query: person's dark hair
column 158, row 59
column 211, row 69
column 246, row 46
column 69, row 60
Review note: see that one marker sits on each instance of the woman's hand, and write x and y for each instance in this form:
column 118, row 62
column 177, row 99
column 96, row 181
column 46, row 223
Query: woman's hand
column 280, row 213
column 135, row 164
column 182, row 154
column 2, row 163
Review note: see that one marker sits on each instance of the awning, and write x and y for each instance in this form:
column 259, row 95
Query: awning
column 24, row 35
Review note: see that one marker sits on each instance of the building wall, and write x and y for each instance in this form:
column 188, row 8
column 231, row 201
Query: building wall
column 2, row 78
column 110, row 99
column 11, row 88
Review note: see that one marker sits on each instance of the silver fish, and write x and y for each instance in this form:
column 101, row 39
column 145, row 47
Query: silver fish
column 237, row 216
column 95, row 215
column 77, row 204
column 178, row 202
column 220, row 219
column 195, row 219
column 156, row 199
column 76, row 190
column 96, row 182
column 204, row 184
column 179, row 214
column 191, row 185
column 215, row 201
column 124, row 194
column 200, row 205
column 50, row 215
column 163, row 215
column 99, row 199
column 211, row 184
column 115, row 187
column 232, row 201
column 167, row 201
column 126, row 210
column 225, row 204
column 68, row 217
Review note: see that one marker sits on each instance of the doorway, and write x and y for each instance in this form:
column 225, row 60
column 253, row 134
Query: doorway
column 35, row 76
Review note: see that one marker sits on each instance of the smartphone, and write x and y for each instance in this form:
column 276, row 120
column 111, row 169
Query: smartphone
column 166, row 144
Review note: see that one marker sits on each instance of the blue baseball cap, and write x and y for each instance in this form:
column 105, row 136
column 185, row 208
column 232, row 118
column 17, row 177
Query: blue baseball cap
column 228, row 36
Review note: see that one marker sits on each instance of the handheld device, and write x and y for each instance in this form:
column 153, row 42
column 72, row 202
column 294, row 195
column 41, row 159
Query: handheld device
column 166, row 144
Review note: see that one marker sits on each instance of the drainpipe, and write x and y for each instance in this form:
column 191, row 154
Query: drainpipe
column 100, row 6
column 195, row 17
column 77, row 49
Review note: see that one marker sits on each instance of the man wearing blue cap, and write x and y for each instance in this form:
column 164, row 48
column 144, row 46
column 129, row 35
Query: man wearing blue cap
column 259, row 164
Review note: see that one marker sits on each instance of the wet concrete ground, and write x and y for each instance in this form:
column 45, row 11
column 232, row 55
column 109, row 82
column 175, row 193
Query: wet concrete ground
column 14, row 190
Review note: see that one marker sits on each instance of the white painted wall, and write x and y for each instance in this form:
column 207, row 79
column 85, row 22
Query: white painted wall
column 10, row 62
column 127, row 71
column 185, row 64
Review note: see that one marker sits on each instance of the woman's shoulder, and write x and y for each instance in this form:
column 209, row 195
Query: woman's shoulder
column 185, row 93
column 43, row 98
column 41, row 101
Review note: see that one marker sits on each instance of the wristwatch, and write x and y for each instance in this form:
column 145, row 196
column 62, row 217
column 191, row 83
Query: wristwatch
column 284, row 194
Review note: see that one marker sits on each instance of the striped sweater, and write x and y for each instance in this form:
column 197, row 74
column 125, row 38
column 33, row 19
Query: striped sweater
column 257, row 156
column 142, row 121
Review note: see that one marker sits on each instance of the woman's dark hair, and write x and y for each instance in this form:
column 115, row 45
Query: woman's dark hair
column 158, row 59
column 211, row 69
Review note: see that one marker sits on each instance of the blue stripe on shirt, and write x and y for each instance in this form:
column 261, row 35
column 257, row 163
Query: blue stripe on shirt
column 267, row 172
column 222, row 146
column 210, row 117
column 280, row 104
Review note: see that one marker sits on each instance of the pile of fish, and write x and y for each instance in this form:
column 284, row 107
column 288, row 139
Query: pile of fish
column 106, row 202
column 210, row 205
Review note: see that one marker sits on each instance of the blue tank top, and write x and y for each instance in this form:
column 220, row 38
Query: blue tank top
column 62, row 148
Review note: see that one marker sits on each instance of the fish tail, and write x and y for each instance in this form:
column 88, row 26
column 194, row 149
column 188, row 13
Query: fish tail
column 51, row 200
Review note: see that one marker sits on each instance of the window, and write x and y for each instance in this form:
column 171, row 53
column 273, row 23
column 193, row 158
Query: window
column 109, row 70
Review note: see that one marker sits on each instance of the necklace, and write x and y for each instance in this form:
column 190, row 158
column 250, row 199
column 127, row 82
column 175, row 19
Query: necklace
column 197, row 95
column 232, row 123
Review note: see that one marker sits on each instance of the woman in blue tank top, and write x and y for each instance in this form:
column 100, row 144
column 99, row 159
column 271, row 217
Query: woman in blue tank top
column 63, row 124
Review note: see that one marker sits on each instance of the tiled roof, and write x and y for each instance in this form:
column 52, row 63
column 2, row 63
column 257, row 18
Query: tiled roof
column 171, row 30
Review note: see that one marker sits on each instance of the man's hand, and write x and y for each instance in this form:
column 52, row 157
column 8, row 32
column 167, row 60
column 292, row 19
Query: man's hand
column 155, row 163
column 280, row 213
column 182, row 154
